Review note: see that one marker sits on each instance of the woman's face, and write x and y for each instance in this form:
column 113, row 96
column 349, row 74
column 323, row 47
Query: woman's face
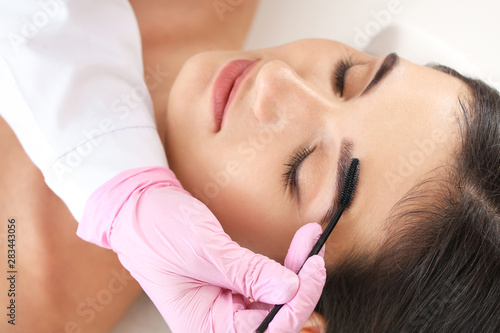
column 272, row 165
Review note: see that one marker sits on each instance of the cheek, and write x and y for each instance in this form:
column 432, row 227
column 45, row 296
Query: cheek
column 251, row 212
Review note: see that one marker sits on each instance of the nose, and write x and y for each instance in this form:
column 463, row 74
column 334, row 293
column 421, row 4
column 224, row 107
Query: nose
column 282, row 95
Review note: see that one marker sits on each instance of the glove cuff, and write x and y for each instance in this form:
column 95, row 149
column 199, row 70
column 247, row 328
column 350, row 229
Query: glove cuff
column 103, row 205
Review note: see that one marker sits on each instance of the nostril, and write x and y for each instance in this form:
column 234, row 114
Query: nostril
column 266, row 109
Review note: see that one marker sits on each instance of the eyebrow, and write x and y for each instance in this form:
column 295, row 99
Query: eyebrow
column 345, row 156
column 391, row 61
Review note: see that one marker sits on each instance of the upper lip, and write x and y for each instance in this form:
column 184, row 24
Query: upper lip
column 226, row 85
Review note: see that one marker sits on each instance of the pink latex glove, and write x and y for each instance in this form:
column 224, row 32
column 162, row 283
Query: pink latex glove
column 197, row 277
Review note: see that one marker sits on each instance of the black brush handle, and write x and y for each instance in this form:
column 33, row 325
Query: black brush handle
column 346, row 195
column 324, row 236
column 315, row 250
column 269, row 318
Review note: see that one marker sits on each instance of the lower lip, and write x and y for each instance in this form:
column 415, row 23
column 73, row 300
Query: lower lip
column 225, row 87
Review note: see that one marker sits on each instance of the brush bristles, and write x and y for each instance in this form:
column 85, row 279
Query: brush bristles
column 349, row 185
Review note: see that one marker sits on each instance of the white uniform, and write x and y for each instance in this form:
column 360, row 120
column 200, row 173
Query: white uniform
column 72, row 89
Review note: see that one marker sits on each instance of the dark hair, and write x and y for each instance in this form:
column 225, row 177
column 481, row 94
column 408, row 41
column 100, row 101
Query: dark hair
column 439, row 271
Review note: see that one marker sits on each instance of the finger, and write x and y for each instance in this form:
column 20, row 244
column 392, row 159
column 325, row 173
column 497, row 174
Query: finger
column 303, row 242
column 265, row 289
column 294, row 314
column 193, row 244
column 255, row 276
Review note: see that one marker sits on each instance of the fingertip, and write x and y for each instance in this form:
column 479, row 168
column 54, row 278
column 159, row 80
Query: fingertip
column 284, row 289
column 313, row 265
column 314, row 229
column 275, row 285
column 302, row 243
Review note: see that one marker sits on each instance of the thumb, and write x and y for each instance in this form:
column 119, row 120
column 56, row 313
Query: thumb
column 302, row 243
column 259, row 277
column 253, row 275
column 293, row 315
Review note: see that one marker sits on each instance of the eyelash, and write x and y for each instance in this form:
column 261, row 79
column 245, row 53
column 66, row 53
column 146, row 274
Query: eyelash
column 290, row 176
column 340, row 72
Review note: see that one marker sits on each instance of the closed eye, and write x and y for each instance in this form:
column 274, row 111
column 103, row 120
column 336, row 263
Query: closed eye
column 290, row 177
column 339, row 75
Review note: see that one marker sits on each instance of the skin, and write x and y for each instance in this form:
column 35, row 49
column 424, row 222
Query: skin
column 402, row 129
column 56, row 262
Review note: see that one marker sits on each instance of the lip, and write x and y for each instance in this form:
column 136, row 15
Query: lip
column 225, row 87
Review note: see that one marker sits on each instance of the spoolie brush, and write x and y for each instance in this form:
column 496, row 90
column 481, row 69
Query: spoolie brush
column 345, row 199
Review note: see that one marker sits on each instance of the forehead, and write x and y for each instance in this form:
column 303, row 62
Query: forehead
column 409, row 133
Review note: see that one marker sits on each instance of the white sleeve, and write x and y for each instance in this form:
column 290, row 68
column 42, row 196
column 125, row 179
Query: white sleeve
column 73, row 91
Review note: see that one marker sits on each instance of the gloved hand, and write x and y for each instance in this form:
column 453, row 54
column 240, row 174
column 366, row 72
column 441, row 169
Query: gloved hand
column 293, row 316
column 198, row 278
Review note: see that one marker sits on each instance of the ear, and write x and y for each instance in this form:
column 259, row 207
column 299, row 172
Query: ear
column 315, row 324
